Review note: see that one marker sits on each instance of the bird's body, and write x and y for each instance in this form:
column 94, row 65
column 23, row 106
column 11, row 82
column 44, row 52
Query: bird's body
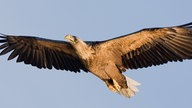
column 105, row 59
column 107, row 69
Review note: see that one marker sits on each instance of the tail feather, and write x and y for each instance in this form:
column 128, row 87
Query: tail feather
column 132, row 88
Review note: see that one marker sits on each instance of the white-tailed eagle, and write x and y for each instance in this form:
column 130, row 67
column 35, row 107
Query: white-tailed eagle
column 105, row 59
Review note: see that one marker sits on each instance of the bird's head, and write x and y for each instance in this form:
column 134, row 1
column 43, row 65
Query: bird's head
column 71, row 39
column 79, row 45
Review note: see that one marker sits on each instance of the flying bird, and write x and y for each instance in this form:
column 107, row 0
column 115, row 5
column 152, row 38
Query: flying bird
column 106, row 59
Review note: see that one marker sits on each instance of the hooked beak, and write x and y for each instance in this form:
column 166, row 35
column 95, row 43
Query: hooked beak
column 69, row 38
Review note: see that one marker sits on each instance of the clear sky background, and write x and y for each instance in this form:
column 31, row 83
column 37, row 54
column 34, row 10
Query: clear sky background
column 22, row 86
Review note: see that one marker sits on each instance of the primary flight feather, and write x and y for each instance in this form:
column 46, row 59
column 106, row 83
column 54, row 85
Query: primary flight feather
column 105, row 59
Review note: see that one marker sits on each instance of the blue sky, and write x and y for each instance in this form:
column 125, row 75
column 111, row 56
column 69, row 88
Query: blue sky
column 23, row 86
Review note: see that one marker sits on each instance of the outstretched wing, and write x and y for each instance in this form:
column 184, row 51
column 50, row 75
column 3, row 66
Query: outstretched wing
column 42, row 53
column 153, row 46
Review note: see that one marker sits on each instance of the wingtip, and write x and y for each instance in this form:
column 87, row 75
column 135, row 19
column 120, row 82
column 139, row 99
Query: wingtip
column 188, row 25
column 2, row 35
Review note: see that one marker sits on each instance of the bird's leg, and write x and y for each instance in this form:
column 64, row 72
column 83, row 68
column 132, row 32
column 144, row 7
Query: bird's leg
column 113, row 85
column 117, row 80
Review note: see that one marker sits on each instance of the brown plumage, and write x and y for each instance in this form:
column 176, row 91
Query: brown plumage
column 105, row 59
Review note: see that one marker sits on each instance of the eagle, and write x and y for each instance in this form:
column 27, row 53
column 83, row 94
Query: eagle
column 106, row 59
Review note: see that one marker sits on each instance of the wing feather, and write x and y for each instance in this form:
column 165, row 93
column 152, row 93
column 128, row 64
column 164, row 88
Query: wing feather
column 42, row 53
column 48, row 58
column 153, row 46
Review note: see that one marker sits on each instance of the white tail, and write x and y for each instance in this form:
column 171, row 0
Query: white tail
column 132, row 88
